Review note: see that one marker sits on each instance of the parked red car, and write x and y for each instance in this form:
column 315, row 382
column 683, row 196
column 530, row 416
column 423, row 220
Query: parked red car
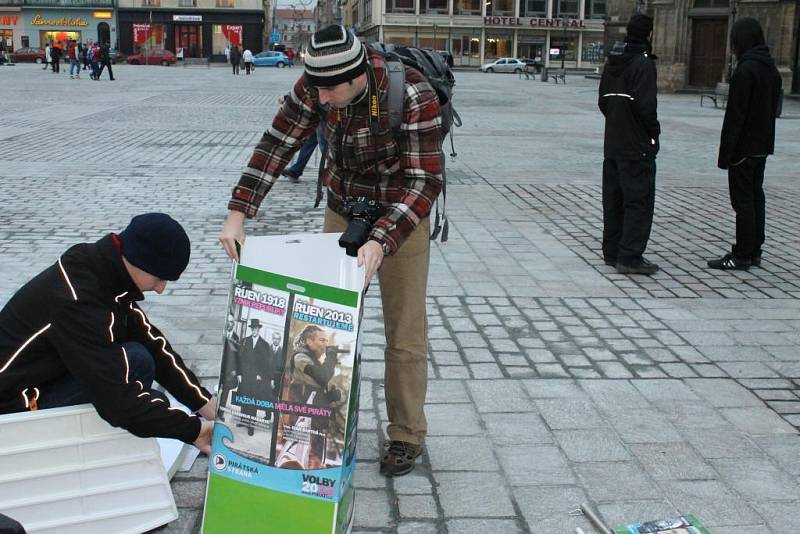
column 153, row 57
column 28, row 54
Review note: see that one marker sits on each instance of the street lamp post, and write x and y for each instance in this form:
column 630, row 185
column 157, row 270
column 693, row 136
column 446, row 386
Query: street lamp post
column 564, row 45
column 434, row 37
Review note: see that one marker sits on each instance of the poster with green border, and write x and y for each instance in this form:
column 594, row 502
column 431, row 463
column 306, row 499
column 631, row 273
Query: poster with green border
column 284, row 444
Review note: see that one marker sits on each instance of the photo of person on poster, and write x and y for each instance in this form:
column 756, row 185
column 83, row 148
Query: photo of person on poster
column 255, row 380
column 309, row 380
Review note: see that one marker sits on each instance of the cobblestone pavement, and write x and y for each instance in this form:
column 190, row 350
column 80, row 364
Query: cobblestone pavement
column 554, row 381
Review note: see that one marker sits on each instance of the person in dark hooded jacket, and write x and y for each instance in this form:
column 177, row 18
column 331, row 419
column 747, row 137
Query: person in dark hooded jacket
column 748, row 137
column 627, row 99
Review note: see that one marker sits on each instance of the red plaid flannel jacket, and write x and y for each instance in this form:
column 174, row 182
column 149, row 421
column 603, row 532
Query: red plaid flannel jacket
column 409, row 162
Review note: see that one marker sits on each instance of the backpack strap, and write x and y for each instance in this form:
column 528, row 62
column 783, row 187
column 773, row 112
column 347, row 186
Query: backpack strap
column 396, row 71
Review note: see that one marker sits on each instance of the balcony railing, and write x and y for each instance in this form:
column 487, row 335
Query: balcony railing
column 5, row 3
column 66, row 3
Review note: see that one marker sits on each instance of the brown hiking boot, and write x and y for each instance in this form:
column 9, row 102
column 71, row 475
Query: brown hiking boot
column 399, row 458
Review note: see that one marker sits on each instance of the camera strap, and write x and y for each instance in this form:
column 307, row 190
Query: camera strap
column 373, row 97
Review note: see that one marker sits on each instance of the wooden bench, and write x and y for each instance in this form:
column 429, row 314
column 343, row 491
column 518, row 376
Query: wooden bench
column 719, row 96
column 196, row 62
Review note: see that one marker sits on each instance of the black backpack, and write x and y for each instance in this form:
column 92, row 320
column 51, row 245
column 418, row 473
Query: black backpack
column 436, row 70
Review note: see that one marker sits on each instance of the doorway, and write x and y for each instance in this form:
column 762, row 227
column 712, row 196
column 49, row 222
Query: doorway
column 190, row 38
column 707, row 61
column 103, row 33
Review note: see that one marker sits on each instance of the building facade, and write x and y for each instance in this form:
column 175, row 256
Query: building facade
column 691, row 37
column 38, row 22
column 191, row 28
column 295, row 27
column 568, row 32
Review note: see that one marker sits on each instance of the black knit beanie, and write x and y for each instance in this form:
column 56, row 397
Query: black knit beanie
column 639, row 27
column 334, row 56
column 157, row 244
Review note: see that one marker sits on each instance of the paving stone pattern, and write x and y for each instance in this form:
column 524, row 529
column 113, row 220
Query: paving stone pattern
column 553, row 381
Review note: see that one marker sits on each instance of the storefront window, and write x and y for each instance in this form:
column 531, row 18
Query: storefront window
column 7, row 39
column 567, row 8
column 153, row 39
column 533, row 8
column 467, row 7
column 498, row 46
column 367, row 11
column 439, row 42
column 598, row 9
column 593, row 51
column 400, row 6
column 530, row 48
column 59, row 37
column 433, row 6
column 499, row 7
column 226, row 3
column 402, row 40
column 566, row 50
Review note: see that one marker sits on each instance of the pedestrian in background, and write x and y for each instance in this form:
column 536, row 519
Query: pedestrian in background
column 228, row 54
column 247, row 56
column 73, row 53
column 235, row 58
column 85, row 56
column 748, row 137
column 627, row 98
column 94, row 58
column 105, row 61
column 55, row 57
column 47, row 56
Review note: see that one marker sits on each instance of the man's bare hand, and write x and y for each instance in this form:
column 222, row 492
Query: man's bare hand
column 203, row 441
column 209, row 410
column 370, row 256
column 232, row 233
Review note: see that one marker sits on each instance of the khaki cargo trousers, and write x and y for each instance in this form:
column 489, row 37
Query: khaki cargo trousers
column 403, row 279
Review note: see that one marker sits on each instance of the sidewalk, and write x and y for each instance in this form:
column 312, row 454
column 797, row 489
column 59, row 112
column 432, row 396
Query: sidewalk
column 553, row 380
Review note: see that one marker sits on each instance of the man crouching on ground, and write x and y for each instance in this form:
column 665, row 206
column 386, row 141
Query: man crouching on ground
column 74, row 334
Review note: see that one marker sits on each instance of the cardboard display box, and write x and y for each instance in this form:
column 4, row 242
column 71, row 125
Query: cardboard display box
column 283, row 451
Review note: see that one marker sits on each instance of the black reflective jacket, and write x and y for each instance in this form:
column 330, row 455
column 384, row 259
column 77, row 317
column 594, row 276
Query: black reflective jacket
column 628, row 101
column 749, row 125
column 72, row 318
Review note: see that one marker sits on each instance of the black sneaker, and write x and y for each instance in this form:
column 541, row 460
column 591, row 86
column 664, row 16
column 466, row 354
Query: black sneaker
column 399, row 458
column 642, row 266
column 292, row 177
column 611, row 262
column 729, row 262
column 755, row 260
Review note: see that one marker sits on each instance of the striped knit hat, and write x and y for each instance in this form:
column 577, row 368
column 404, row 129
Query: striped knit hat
column 334, row 56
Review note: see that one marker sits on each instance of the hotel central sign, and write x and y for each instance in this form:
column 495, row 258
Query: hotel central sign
column 534, row 22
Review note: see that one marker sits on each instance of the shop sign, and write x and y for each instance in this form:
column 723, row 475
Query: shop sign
column 6, row 20
column 555, row 51
column 534, row 22
column 102, row 14
column 141, row 32
column 233, row 33
column 187, row 18
column 63, row 21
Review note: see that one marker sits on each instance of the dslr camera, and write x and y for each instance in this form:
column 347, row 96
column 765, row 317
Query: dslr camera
column 362, row 213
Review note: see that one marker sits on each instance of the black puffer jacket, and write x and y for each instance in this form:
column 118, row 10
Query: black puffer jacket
column 628, row 100
column 749, row 125
column 72, row 318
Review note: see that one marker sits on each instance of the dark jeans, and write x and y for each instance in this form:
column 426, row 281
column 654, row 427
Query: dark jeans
column 304, row 155
column 746, row 185
column 103, row 65
column 67, row 392
column 247, row 66
column 56, row 66
column 629, row 195
column 235, row 67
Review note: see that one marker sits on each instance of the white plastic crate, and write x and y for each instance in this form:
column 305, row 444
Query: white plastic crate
column 66, row 470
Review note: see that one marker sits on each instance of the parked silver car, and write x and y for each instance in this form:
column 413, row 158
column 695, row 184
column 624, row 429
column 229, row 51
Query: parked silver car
column 504, row 64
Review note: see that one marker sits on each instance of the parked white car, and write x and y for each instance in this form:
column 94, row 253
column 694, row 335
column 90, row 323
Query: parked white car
column 504, row 64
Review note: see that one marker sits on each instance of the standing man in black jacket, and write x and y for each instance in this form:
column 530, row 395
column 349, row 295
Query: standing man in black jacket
column 74, row 334
column 748, row 137
column 628, row 101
